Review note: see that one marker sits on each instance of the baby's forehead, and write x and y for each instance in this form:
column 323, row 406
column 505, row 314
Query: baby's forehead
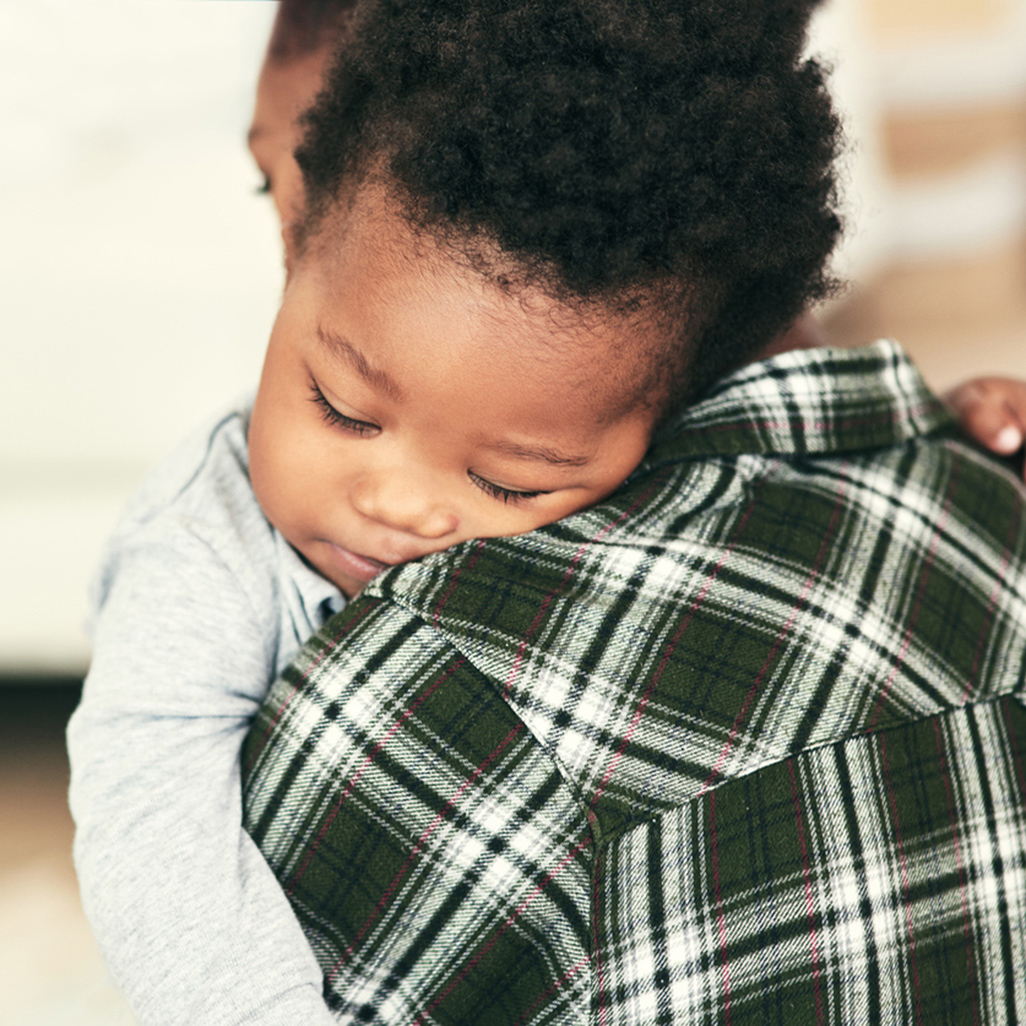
column 609, row 351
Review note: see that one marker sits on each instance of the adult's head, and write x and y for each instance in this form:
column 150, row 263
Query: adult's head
column 304, row 36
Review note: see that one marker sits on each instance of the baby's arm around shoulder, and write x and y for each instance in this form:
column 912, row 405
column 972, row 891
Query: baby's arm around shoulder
column 191, row 921
column 993, row 411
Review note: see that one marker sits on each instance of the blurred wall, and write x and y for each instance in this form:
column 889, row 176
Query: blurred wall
column 139, row 275
column 939, row 102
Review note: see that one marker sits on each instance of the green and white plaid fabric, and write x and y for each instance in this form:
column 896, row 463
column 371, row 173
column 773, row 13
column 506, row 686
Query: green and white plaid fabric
column 746, row 743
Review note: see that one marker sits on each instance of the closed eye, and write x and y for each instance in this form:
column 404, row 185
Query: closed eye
column 507, row 495
column 337, row 419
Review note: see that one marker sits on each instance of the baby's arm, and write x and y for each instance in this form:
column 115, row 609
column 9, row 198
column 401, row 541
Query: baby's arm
column 993, row 411
column 192, row 923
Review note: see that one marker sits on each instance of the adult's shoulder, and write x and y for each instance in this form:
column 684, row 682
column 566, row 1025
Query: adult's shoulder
column 841, row 563
column 591, row 559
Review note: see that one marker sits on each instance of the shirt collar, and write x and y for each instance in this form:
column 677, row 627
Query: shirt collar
column 806, row 402
column 307, row 598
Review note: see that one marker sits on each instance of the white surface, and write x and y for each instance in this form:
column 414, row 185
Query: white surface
column 139, row 274
column 973, row 210
column 988, row 66
column 838, row 35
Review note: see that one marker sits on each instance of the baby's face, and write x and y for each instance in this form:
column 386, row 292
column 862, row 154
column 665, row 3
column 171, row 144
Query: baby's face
column 406, row 405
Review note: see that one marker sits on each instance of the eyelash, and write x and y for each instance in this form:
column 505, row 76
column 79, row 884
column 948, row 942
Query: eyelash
column 333, row 417
column 506, row 495
column 363, row 429
column 264, row 188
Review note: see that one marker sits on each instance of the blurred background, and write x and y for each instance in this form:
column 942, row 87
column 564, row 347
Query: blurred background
column 139, row 273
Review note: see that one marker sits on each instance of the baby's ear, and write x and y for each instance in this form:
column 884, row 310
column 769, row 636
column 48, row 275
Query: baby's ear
column 992, row 411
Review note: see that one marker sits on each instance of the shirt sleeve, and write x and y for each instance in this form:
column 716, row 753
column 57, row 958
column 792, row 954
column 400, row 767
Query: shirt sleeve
column 192, row 923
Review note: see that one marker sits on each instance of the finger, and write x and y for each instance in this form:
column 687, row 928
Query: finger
column 1014, row 394
column 1015, row 402
column 992, row 411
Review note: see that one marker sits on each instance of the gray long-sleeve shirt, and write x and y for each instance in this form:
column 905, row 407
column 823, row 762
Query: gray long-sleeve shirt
column 198, row 604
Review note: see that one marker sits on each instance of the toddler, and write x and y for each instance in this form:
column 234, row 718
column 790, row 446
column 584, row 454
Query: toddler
column 467, row 347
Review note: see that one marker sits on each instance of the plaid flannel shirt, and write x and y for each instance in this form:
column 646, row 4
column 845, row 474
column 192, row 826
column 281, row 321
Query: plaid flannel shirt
column 744, row 743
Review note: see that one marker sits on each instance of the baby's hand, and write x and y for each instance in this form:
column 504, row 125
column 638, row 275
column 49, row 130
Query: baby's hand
column 993, row 411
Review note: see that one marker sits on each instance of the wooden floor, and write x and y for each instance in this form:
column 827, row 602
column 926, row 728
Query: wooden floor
column 51, row 973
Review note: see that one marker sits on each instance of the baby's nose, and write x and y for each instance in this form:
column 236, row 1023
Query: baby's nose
column 402, row 505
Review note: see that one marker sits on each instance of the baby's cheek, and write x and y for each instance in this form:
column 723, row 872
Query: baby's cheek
column 531, row 520
column 271, row 485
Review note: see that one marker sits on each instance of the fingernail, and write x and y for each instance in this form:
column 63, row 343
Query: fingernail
column 1008, row 439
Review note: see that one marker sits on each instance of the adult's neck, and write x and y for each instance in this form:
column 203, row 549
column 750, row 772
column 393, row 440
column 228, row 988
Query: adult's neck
column 804, row 333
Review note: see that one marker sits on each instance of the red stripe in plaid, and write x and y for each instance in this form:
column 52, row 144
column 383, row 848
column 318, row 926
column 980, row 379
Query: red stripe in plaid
column 419, row 846
column 475, row 959
column 667, row 654
column 575, row 560
column 779, row 640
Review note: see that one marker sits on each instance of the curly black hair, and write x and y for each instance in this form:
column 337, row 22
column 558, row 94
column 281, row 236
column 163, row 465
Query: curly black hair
column 608, row 147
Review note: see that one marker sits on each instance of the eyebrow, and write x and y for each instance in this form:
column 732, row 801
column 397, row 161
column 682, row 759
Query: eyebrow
column 347, row 353
column 540, row 453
